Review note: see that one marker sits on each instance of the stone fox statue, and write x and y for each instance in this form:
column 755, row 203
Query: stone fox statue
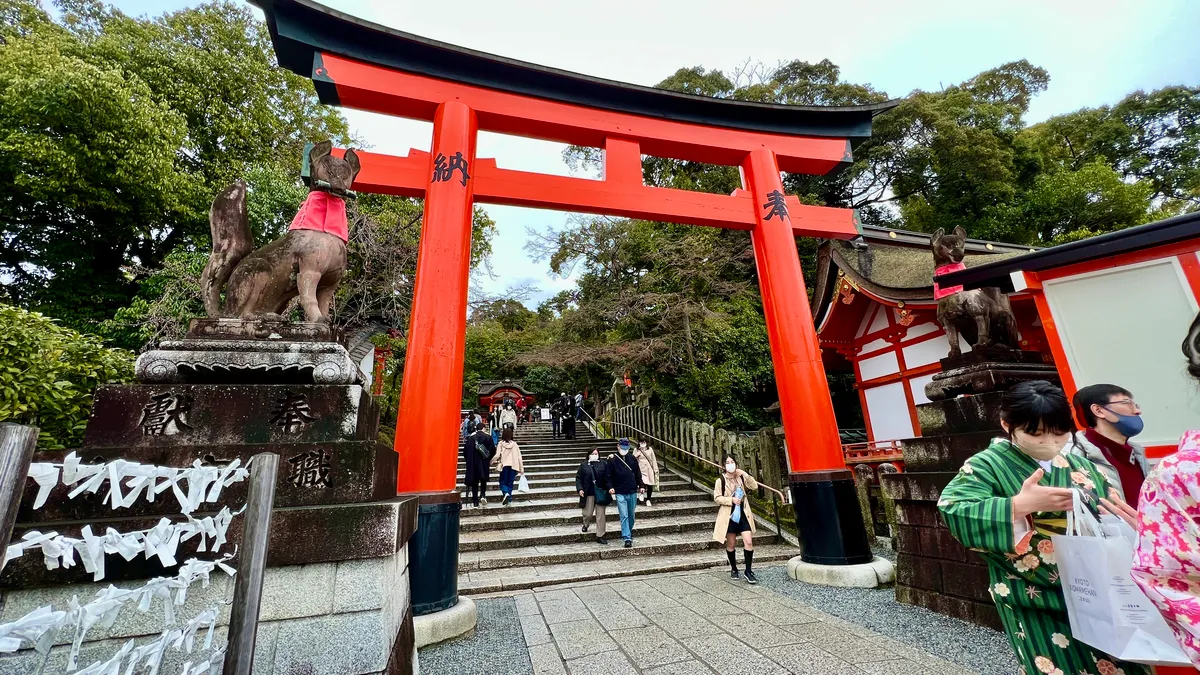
column 308, row 261
column 983, row 316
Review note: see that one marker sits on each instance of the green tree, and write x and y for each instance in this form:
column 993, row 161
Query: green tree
column 115, row 133
column 48, row 374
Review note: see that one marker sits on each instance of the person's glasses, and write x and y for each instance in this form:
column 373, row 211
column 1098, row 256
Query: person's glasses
column 1126, row 401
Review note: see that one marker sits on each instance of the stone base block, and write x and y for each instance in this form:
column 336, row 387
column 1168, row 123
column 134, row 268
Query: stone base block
column 985, row 378
column 449, row 623
column 246, row 362
column 867, row 575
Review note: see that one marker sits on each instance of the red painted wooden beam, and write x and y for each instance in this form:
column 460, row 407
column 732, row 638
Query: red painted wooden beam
column 391, row 92
column 619, row 195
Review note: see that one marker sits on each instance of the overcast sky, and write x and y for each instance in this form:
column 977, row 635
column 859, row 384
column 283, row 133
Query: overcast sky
column 1096, row 51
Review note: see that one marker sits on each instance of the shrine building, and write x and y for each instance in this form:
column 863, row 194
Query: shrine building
column 876, row 317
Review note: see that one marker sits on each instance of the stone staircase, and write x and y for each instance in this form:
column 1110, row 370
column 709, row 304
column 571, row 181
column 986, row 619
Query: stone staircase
column 536, row 541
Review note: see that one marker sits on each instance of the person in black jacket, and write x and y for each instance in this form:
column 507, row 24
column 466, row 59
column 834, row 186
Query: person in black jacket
column 623, row 480
column 478, row 451
column 588, row 479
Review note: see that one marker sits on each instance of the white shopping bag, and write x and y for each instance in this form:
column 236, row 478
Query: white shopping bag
column 523, row 484
column 1106, row 608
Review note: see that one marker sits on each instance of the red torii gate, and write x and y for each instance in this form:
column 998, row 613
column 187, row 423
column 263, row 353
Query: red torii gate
column 369, row 67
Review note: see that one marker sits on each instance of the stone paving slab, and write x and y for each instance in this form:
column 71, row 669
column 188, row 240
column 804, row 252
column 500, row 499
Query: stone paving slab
column 701, row 623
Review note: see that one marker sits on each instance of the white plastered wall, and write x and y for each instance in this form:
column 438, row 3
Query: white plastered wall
column 1124, row 326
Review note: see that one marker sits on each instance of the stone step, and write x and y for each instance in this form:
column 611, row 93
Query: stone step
column 609, row 567
column 646, row 524
column 552, row 474
column 500, row 518
column 545, row 503
column 544, row 478
column 552, row 489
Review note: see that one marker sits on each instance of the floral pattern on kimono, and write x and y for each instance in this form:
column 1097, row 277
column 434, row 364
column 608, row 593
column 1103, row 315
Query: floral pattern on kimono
column 1023, row 572
column 1166, row 561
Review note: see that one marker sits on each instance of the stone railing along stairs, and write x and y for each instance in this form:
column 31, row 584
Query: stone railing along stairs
column 536, row 541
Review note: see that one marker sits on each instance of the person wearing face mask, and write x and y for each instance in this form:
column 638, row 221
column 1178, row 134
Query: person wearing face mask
column 592, row 497
column 1112, row 418
column 508, row 416
column 1006, row 502
column 623, row 481
column 731, row 492
column 648, row 464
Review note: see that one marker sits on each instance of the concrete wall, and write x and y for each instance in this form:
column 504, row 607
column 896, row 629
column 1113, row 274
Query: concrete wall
column 336, row 618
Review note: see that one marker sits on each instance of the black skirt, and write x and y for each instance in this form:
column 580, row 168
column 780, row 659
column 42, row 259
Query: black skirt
column 738, row 526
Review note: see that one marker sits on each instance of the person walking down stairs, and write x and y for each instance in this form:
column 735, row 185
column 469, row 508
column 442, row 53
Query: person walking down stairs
column 508, row 416
column 508, row 457
column 478, row 451
column 592, row 497
column 734, row 517
column 623, row 478
column 648, row 464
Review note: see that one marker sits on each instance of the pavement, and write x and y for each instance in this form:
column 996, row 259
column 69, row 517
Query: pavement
column 703, row 622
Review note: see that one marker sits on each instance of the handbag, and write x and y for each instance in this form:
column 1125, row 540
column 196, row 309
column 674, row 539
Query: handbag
column 523, row 484
column 1105, row 607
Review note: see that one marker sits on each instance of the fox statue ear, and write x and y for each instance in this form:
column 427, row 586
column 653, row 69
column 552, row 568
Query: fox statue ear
column 960, row 231
column 351, row 158
column 937, row 234
column 320, row 150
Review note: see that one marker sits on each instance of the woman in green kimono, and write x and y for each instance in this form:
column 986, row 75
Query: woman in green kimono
column 1005, row 503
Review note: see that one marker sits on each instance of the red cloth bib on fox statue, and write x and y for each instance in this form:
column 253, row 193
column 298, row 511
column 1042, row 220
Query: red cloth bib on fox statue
column 938, row 291
column 322, row 211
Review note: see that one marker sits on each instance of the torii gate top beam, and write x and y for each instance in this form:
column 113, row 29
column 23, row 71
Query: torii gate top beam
column 360, row 65
column 548, row 103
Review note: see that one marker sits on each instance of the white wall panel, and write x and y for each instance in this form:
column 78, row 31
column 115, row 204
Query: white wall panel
column 921, row 329
column 878, row 366
column 888, row 409
column 875, row 346
column 917, row 386
column 1124, row 326
column 880, row 321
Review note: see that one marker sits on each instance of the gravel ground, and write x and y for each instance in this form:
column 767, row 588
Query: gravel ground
column 980, row 649
column 496, row 646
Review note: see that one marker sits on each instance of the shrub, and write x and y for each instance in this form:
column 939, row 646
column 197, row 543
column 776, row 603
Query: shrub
column 48, row 374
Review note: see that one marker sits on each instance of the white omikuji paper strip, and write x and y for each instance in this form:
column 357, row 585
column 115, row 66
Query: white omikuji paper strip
column 41, row 627
column 160, row 541
column 203, row 483
column 150, row 655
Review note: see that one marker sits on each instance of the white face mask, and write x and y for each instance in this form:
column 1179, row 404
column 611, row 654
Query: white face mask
column 623, row 451
column 730, row 467
column 642, row 446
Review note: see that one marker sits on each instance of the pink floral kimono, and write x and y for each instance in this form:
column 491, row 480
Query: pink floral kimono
column 1166, row 563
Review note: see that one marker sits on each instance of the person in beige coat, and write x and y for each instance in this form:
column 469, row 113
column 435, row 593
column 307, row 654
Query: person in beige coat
column 648, row 464
column 508, row 457
column 731, row 491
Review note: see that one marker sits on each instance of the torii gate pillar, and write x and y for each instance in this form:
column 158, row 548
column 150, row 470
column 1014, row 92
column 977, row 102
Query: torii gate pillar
column 828, row 515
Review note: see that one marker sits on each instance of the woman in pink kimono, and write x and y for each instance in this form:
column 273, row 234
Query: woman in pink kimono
column 1166, row 563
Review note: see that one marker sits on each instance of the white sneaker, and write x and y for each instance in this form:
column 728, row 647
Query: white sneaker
column 482, row 502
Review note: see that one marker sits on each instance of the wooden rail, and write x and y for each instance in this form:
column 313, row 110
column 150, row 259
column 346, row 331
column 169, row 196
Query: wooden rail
column 252, row 564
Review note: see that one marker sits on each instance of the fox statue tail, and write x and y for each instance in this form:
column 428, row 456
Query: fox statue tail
column 232, row 240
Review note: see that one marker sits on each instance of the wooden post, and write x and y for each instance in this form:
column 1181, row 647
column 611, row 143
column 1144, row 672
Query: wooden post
column 17, row 443
column 247, row 593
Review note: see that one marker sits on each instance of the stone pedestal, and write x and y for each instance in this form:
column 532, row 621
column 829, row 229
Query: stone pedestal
column 933, row 570
column 336, row 591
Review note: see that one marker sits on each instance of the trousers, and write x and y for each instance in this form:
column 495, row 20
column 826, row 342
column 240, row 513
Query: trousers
column 589, row 508
column 508, row 476
column 625, row 506
column 477, row 489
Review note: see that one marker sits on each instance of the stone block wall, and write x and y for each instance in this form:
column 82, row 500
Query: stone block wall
column 333, row 618
column 933, row 570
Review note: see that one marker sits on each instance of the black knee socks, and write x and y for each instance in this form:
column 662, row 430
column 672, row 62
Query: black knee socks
column 732, row 560
column 749, row 553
